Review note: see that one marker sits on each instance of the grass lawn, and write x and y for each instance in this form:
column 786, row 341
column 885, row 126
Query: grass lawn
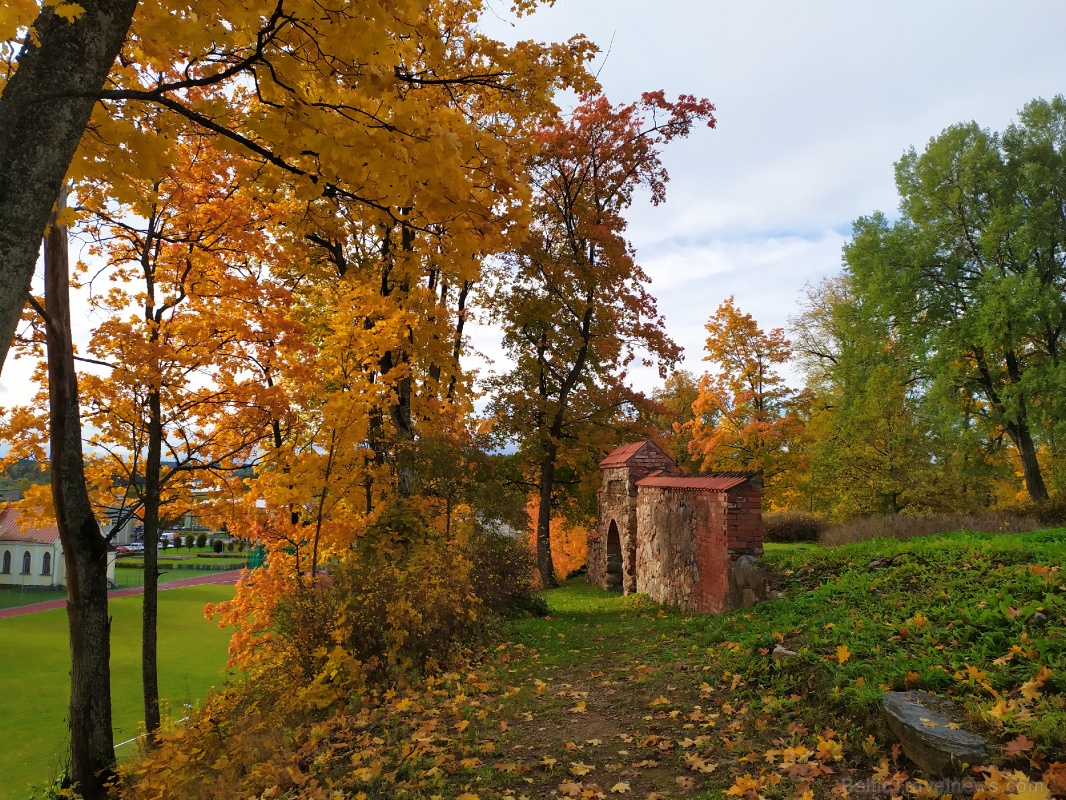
column 34, row 673
column 11, row 596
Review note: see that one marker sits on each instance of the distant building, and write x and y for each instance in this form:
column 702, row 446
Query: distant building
column 32, row 555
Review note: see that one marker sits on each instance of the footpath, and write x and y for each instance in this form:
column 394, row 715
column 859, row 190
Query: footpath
column 228, row 576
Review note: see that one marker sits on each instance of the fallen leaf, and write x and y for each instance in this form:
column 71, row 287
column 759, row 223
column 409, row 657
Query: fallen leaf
column 1018, row 745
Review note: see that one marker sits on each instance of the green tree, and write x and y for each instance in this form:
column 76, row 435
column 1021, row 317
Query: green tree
column 878, row 443
column 973, row 272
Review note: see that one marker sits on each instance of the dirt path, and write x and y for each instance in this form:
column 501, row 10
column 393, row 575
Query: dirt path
column 224, row 577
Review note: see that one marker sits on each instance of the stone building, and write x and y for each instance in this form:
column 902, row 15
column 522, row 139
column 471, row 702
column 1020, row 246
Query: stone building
column 690, row 541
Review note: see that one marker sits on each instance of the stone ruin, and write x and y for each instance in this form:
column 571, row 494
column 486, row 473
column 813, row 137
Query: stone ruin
column 691, row 541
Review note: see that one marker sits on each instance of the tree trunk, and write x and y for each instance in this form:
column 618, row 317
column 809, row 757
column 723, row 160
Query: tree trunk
column 544, row 511
column 84, row 548
column 1034, row 481
column 43, row 112
column 150, row 609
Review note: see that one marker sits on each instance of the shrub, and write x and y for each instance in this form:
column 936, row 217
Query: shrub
column 230, row 546
column 390, row 615
column 218, row 547
column 190, row 540
column 793, row 526
column 201, row 540
column 503, row 574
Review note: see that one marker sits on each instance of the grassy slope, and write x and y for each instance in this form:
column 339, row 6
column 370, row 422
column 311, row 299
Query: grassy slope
column 34, row 674
column 615, row 693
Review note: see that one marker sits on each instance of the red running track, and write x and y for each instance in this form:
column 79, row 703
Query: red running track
column 229, row 576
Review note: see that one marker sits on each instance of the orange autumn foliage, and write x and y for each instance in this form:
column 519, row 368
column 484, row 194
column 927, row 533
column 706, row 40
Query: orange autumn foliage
column 569, row 542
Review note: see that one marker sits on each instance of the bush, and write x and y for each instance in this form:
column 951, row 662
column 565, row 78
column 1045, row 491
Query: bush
column 201, row 540
column 190, row 540
column 391, row 615
column 218, row 547
column 230, row 546
column 503, row 574
column 793, row 526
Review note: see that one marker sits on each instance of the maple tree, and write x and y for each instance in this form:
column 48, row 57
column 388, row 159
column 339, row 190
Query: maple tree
column 185, row 404
column 746, row 418
column 44, row 107
column 571, row 299
column 673, row 415
column 380, row 110
column 185, row 68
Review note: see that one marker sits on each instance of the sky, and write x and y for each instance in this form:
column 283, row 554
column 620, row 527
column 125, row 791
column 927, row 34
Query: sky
column 815, row 102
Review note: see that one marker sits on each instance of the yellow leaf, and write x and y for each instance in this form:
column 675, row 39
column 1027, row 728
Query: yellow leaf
column 843, row 654
column 69, row 11
column 620, row 788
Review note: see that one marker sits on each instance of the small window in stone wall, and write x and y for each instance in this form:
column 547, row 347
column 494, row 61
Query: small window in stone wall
column 26, row 563
column 46, row 564
column 7, row 563
column 614, row 487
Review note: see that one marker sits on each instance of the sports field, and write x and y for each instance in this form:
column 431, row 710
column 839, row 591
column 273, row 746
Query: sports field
column 34, row 676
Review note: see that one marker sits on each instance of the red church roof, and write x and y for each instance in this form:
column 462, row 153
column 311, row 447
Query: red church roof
column 11, row 530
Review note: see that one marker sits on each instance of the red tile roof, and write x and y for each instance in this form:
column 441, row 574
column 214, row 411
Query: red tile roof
column 11, row 530
column 620, row 456
column 720, row 482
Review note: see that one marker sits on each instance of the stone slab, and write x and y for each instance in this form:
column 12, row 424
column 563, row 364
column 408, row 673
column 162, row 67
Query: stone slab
column 923, row 721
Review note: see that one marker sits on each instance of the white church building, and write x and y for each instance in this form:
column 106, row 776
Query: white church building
column 32, row 554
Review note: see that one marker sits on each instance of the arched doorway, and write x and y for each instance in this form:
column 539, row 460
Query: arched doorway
column 614, row 559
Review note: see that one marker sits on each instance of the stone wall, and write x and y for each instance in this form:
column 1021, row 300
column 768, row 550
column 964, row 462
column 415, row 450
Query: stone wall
column 690, row 541
column 675, row 529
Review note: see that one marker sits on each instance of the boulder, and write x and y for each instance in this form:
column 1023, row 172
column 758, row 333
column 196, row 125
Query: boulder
column 780, row 653
column 928, row 728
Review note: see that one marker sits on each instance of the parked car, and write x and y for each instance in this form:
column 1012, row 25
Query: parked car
column 136, row 547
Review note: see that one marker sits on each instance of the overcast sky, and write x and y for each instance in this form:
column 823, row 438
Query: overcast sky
column 815, row 102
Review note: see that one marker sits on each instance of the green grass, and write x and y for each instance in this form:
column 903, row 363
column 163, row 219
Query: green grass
column 772, row 549
column 34, row 674
column 12, row 596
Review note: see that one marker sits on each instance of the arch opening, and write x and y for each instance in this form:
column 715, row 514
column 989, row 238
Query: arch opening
column 614, row 559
